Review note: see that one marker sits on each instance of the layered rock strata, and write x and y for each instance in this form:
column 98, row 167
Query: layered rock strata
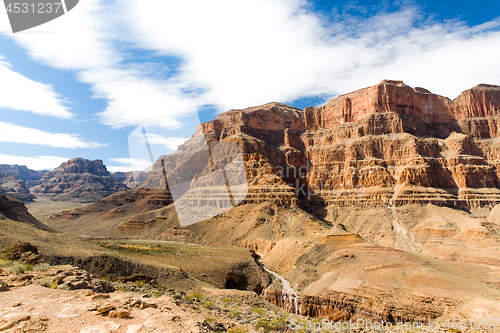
column 78, row 180
column 12, row 187
column 358, row 147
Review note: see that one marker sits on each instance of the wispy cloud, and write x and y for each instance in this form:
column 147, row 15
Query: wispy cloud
column 129, row 164
column 35, row 163
column 19, row 134
column 155, row 139
column 236, row 54
column 21, row 93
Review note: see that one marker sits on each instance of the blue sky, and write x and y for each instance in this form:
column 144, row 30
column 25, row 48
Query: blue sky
column 86, row 83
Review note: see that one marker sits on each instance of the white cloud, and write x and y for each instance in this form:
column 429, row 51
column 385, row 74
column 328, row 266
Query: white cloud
column 19, row 134
column 114, row 169
column 247, row 54
column 130, row 164
column 237, row 54
column 35, row 163
column 21, row 93
column 171, row 143
column 137, row 99
column 84, row 42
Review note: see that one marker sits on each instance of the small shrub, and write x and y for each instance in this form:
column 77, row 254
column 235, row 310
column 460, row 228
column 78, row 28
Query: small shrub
column 258, row 311
column 139, row 283
column 106, row 278
column 41, row 267
column 210, row 320
column 47, row 283
column 208, row 305
column 187, row 298
column 54, row 285
column 5, row 263
column 264, row 324
column 177, row 296
column 21, row 268
column 197, row 296
column 194, row 296
column 157, row 293
column 234, row 313
column 159, row 286
column 227, row 301
column 273, row 325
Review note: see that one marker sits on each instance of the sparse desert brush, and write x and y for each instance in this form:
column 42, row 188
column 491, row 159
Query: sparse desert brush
column 197, row 296
column 19, row 268
column 41, row 267
column 234, row 313
column 208, row 305
column 227, row 301
column 139, row 283
column 5, row 263
column 106, row 278
column 177, row 296
column 271, row 325
column 47, row 283
column 210, row 320
column 187, row 298
column 258, row 311
column 194, row 296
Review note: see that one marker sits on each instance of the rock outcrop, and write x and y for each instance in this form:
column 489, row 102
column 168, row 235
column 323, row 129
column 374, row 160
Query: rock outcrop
column 357, row 148
column 21, row 172
column 12, row 187
column 15, row 210
column 78, row 180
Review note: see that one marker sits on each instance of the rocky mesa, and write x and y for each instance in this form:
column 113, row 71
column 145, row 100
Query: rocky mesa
column 79, row 180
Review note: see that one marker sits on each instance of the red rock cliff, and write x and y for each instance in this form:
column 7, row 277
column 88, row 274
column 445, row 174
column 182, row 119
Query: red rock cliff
column 356, row 148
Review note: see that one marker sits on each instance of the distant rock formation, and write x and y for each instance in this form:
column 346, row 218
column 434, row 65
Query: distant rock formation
column 21, row 172
column 15, row 188
column 132, row 178
column 78, row 180
column 120, row 205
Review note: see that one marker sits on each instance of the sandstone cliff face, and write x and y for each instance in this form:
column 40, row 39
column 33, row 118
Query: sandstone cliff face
column 80, row 180
column 358, row 147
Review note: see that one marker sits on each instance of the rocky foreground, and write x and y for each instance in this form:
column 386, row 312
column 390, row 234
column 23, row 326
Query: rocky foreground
column 63, row 298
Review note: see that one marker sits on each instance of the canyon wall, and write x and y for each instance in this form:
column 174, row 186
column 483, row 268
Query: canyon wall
column 358, row 148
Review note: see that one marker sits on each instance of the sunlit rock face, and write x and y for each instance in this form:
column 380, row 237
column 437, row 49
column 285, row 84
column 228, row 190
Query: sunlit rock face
column 357, row 147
